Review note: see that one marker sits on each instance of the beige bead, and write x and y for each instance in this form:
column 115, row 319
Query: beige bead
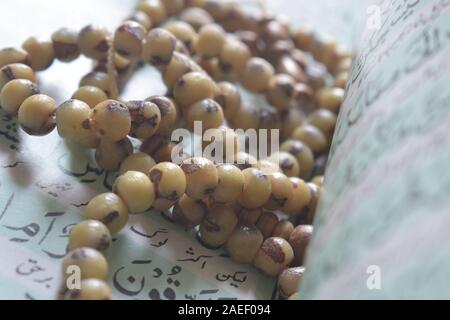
column 91, row 95
column 244, row 243
column 173, row 7
column 65, row 44
column 318, row 180
column 249, row 216
column 229, row 98
column 299, row 240
column 170, row 184
column 159, row 47
column 312, row 137
column 183, row 32
column 234, row 56
column 221, row 145
column 257, row 75
column 281, row 92
column 267, row 223
column 291, row 120
column 13, row 55
column 100, row 80
column 245, row 161
column 128, row 39
column 41, row 53
column 140, row 162
column 196, row 17
column 289, row 281
column 154, row 9
column 91, row 234
column 208, row 112
column 268, row 167
column 16, row 71
column 274, row 256
column 281, row 191
column 331, row 99
column 231, row 183
column 188, row 212
column 179, row 65
column 145, row 119
column 37, row 115
column 15, row 92
column 257, row 189
column 303, row 154
column 169, row 113
column 300, row 198
column 283, row 229
column 287, row 163
column 341, row 79
column 247, row 117
column 201, row 176
column 211, row 40
column 91, row 289
column 193, row 87
column 93, row 42
column 136, row 190
column 218, row 225
column 73, row 123
column 141, row 18
column 325, row 121
column 111, row 120
column 91, row 262
column 304, row 39
column 109, row 209
column 109, row 155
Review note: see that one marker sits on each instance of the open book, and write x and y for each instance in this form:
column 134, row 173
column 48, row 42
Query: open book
column 382, row 222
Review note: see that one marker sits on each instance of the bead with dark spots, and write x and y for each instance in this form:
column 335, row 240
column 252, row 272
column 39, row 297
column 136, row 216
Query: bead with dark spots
column 156, row 176
column 110, row 217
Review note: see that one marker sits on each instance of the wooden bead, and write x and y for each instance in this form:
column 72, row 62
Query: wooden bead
column 145, row 119
column 244, row 243
column 100, row 80
column 91, row 289
column 154, row 9
column 16, row 71
column 201, row 176
column 274, row 256
column 128, row 39
column 41, row 53
column 218, row 225
column 300, row 198
column 110, row 210
column 93, row 42
column 257, row 75
column 65, row 45
column 91, row 95
column 283, row 229
column 267, row 223
column 169, row 113
column 159, row 47
column 289, row 281
column 136, row 190
column 299, row 240
column 92, row 234
column 15, row 92
column 13, row 55
column 257, row 189
column 189, row 212
column 37, row 115
column 193, row 87
column 109, row 155
column 111, row 120
column 139, row 161
column 312, row 137
column 91, row 262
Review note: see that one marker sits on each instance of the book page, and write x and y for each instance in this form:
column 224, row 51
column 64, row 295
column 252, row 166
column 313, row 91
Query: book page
column 45, row 182
column 382, row 226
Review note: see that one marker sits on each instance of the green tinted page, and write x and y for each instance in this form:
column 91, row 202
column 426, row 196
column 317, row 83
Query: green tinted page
column 382, row 225
column 45, row 182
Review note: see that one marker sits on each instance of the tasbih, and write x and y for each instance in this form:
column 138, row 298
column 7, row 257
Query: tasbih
column 201, row 48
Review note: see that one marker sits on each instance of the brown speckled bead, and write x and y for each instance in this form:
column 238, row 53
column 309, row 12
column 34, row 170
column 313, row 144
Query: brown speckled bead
column 267, row 223
column 154, row 9
column 91, row 289
column 41, row 53
column 301, row 197
column 211, row 39
column 196, row 17
column 299, row 241
column 183, row 32
column 15, row 92
column 188, row 212
column 159, row 47
column 289, row 281
column 141, row 18
column 136, row 190
column 281, row 191
column 97, row 79
column 231, row 182
column 110, row 209
column 93, row 42
column 245, row 161
column 173, row 7
column 291, row 120
column 168, row 112
column 179, row 65
column 128, row 39
column 145, row 119
column 287, row 65
column 37, row 115
column 287, row 163
column 13, row 55
column 73, row 123
column 331, row 99
column 244, row 243
column 211, row 67
column 221, row 139
column 193, row 87
column 170, row 184
column 234, row 56
column 324, row 120
column 91, row 234
column 153, row 144
column 91, row 95
column 139, row 161
column 268, row 167
column 257, row 75
column 283, row 229
column 65, row 44
column 16, row 71
column 312, row 137
column 249, row 216
column 257, row 189
column 304, row 39
column 303, row 154
column 91, row 262
column 229, row 98
column 111, row 120
column 281, row 91
column 274, row 256
column 109, row 155
column 201, row 176
column 247, row 117
column 218, row 225
column 206, row 111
